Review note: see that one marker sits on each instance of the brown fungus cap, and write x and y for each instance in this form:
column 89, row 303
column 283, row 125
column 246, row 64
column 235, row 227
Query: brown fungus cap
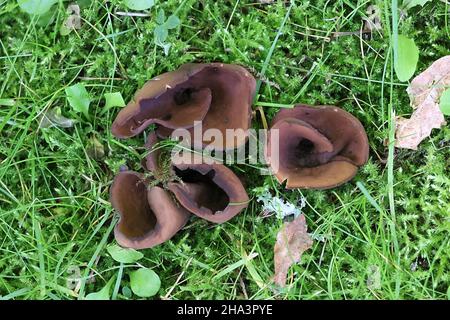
column 210, row 191
column 172, row 99
column 319, row 147
column 219, row 95
column 148, row 217
column 232, row 88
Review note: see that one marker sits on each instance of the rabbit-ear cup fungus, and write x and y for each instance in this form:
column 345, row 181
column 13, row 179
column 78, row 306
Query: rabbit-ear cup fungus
column 174, row 99
column 148, row 216
column 319, row 147
column 232, row 88
column 218, row 96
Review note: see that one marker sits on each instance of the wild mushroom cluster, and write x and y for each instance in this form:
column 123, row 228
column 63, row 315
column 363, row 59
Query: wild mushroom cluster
column 322, row 147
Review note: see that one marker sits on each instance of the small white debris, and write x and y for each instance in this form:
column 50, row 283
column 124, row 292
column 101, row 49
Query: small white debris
column 281, row 208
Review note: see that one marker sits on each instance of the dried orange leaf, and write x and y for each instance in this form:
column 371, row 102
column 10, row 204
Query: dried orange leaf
column 425, row 91
column 292, row 241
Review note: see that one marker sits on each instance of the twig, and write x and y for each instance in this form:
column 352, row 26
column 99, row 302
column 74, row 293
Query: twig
column 327, row 39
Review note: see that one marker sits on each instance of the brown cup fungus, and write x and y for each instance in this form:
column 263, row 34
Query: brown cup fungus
column 210, row 191
column 217, row 95
column 148, row 215
column 320, row 147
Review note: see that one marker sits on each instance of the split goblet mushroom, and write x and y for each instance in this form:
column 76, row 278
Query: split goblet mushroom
column 320, row 147
column 152, row 215
column 217, row 95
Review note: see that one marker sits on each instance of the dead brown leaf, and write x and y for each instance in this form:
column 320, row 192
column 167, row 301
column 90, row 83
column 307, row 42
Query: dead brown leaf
column 73, row 21
column 292, row 241
column 424, row 91
column 373, row 20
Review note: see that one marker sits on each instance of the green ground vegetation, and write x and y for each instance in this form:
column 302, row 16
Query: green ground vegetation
column 391, row 223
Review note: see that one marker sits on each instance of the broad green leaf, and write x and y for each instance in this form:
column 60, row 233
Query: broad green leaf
column 113, row 99
column 139, row 4
column 36, row 6
column 124, row 255
column 78, row 98
column 412, row 3
column 444, row 102
column 84, row 3
column 408, row 55
column 160, row 17
column 161, row 34
column 172, row 22
column 102, row 294
column 144, row 282
column 46, row 18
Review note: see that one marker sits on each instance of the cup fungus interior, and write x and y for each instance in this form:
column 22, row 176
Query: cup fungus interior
column 303, row 146
column 129, row 198
column 177, row 108
column 344, row 131
column 210, row 191
column 232, row 89
column 219, row 95
column 168, row 99
column 202, row 189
